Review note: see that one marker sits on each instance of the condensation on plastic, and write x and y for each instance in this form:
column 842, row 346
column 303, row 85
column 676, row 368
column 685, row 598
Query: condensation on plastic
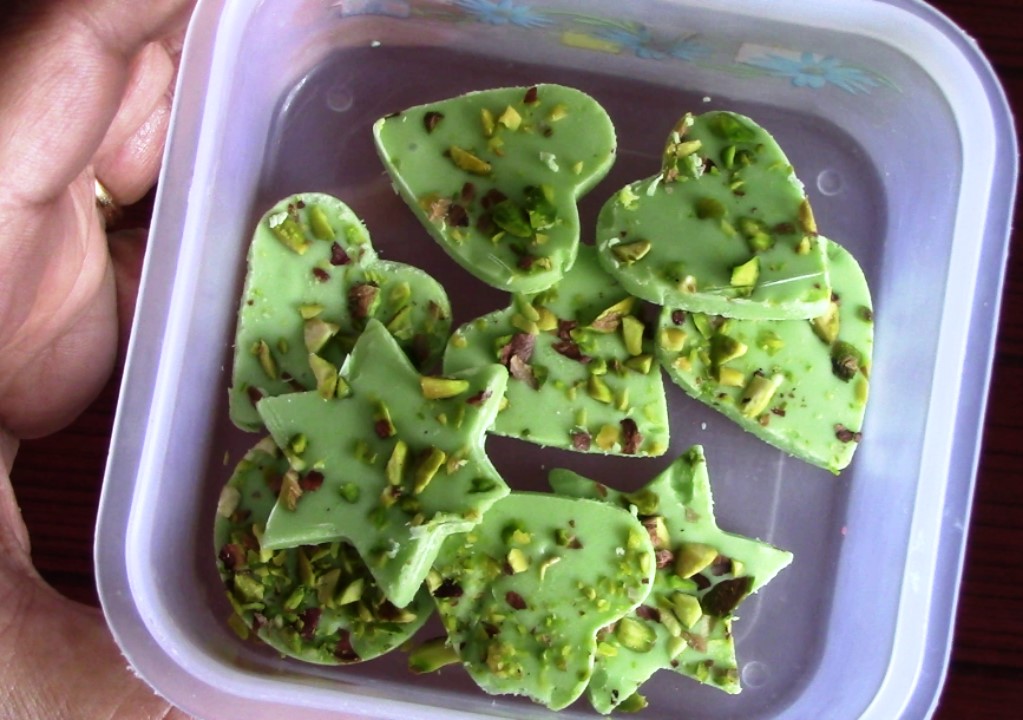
column 916, row 179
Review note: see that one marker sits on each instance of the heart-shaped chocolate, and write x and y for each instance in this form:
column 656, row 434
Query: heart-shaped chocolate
column 583, row 376
column 524, row 594
column 800, row 385
column 318, row 603
column 314, row 281
column 724, row 229
column 495, row 177
column 703, row 574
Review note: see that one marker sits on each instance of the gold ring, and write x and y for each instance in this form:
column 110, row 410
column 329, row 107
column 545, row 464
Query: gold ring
column 109, row 209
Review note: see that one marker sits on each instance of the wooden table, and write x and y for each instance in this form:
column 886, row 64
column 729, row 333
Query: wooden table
column 57, row 479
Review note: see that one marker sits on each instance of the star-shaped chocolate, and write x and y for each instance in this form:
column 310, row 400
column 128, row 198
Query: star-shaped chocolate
column 393, row 463
column 703, row 574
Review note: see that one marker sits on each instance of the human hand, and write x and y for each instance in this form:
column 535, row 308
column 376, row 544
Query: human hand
column 86, row 91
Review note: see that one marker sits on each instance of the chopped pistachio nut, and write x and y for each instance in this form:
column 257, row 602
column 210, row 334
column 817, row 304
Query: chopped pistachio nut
column 827, row 325
column 326, row 375
column 266, row 359
column 632, row 332
column 395, row 469
column 599, row 390
column 287, row 229
column 438, row 388
column 759, row 393
column 746, row 274
column 431, row 655
column 433, row 461
column 608, row 437
column 692, row 558
column 635, row 634
column 319, row 223
column 673, row 339
column 806, row 219
column 465, row 160
column 510, row 118
column 629, row 253
column 731, row 377
column 518, row 561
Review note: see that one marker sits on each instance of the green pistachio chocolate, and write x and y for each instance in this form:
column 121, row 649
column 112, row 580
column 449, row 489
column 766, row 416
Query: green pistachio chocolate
column 800, row 385
column 318, row 603
column 401, row 470
column 703, row 573
column 495, row 177
column 724, row 229
column 313, row 282
column 583, row 375
column 524, row 594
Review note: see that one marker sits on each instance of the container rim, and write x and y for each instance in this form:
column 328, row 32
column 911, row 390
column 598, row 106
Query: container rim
column 924, row 624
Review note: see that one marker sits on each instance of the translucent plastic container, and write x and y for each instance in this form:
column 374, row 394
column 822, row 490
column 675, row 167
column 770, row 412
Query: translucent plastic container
column 890, row 116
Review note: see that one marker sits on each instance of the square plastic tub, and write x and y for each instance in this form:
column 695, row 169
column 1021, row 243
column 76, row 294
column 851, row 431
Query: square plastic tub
column 890, row 116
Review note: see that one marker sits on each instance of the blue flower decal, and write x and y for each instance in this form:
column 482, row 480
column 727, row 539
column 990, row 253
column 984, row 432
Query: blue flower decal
column 504, row 12
column 638, row 39
column 815, row 71
column 689, row 49
column 643, row 44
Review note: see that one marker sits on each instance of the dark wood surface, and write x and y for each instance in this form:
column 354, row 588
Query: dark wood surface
column 57, row 479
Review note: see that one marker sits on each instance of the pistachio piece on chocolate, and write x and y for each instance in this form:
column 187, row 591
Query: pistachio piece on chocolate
column 319, row 223
column 629, row 253
column 827, row 325
column 758, row 393
column 431, row 655
column 465, row 160
column 635, row 635
column 438, row 388
column 288, row 231
column 691, row 558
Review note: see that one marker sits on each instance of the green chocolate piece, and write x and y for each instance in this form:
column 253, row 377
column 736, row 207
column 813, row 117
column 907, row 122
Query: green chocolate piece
column 725, row 228
column 792, row 387
column 301, row 601
column 384, row 431
column 313, row 282
column 495, row 177
column 686, row 622
column 535, row 632
column 589, row 369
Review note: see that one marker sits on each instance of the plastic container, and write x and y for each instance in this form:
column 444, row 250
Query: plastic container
column 901, row 133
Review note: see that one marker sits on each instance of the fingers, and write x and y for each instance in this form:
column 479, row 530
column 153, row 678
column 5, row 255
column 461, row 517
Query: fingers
column 128, row 159
column 59, row 661
column 124, row 26
column 72, row 70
